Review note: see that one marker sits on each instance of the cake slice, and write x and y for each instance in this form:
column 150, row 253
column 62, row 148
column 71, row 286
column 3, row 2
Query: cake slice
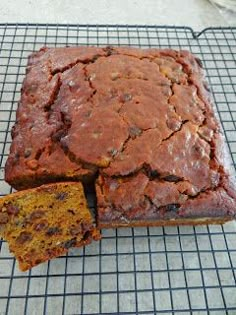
column 42, row 223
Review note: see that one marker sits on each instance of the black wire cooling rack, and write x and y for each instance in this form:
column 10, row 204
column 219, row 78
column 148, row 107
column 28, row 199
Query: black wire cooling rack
column 177, row 270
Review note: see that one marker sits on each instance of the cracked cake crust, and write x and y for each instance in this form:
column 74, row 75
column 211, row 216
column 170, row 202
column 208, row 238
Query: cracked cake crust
column 141, row 119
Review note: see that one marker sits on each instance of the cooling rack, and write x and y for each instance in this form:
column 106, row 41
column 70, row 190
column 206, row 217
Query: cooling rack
column 177, row 270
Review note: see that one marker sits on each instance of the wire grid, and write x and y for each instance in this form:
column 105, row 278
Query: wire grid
column 171, row 270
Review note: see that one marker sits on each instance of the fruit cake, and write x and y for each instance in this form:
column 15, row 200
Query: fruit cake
column 139, row 123
column 42, row 223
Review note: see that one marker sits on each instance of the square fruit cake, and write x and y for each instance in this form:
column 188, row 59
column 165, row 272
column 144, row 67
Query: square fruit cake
column 138, row 123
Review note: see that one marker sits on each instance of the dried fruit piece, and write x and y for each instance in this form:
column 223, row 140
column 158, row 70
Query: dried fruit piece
column 61, row 196
column 3, row 218
column 24, row 237
column 12, row 209
column 70, row 243
column 38, row 214
column 41, row 226
column 53, row 231
column 173, row 207
column 75, row 230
